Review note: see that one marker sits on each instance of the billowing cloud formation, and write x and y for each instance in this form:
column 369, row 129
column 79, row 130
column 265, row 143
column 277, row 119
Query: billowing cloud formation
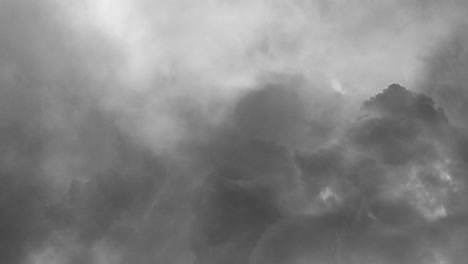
column 174, row 58
column 231, row 132
column 383, row 191
column 378, row 193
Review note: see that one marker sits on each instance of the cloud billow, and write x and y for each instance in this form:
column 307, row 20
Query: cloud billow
column 232, row 132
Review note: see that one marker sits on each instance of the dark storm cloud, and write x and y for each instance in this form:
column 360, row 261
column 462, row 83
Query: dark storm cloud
column 368, row 192
column 321, row 166
column 254, row 180
column 400, row 125
column 118, row 150
column 291, row 112
column 239, row 201
column 398, row 101
column 396, row 127
column 363, row 222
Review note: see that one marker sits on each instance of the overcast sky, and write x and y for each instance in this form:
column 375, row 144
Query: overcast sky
column 233, row 131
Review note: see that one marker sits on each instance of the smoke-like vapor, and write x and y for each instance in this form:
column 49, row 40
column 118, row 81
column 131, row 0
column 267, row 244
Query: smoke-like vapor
column 222, row 131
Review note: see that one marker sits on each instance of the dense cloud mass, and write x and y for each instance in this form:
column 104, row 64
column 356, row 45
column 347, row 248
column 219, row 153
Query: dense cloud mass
column 246, row 131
